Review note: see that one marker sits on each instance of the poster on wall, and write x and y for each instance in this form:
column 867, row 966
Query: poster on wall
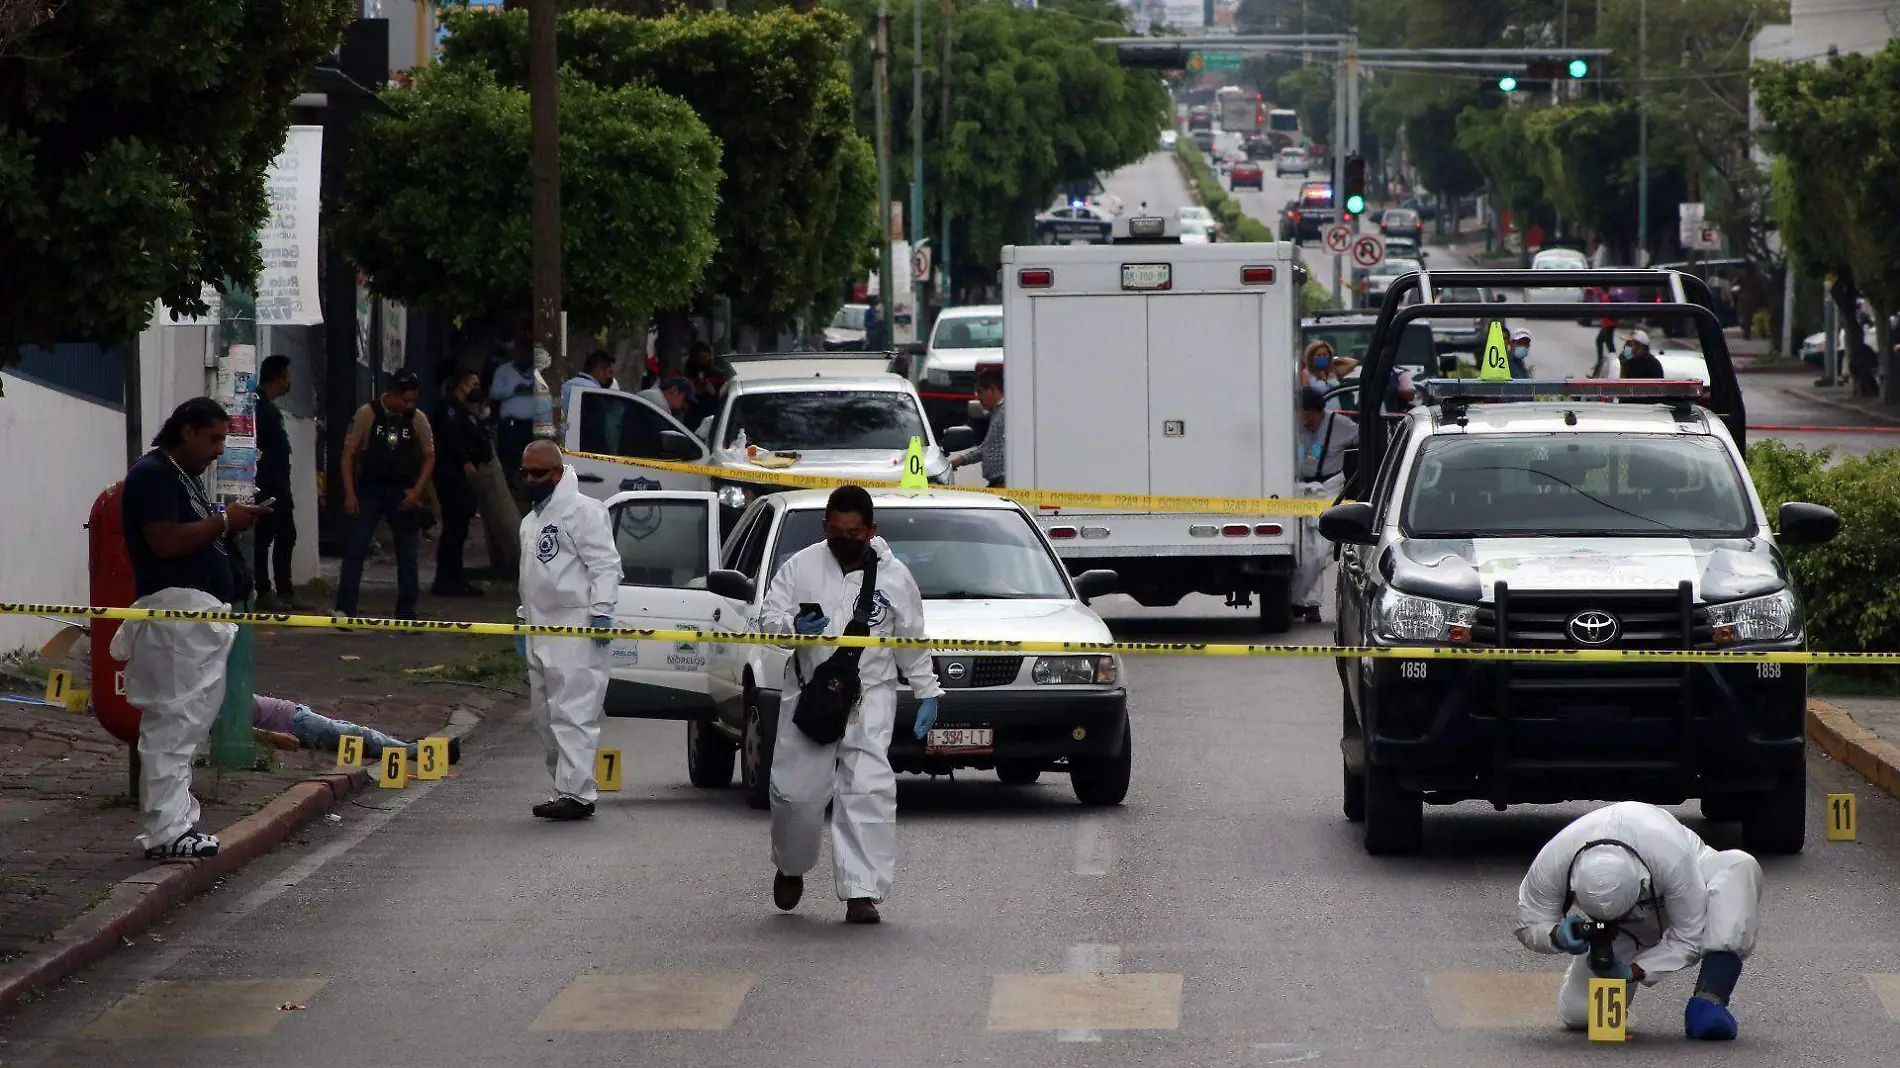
column 236, row 474
column 365, row 318
column 395, row 332
column 287, row 292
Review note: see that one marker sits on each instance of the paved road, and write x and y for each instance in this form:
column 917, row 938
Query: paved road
column 1225, row 917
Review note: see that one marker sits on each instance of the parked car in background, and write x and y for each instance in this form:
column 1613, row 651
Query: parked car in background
column 962, row 340
column 846, row 332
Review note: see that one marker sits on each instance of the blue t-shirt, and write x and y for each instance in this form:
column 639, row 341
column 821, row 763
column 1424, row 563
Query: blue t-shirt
column 155, row 492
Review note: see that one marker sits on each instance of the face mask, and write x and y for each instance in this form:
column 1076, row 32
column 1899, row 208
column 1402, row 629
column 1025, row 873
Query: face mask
column 847, row 551
column 1521, row 351
column 1321, row 363
column 539, row 491
column 1628, row 351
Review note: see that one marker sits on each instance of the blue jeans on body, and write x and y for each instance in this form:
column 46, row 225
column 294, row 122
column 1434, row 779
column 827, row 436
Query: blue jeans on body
column 320, row 732
column 375, row 503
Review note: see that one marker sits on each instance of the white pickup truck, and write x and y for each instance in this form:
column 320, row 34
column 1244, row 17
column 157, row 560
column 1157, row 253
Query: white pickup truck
column 1157, row 368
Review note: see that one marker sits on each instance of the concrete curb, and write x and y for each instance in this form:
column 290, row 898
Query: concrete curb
column 1840, row 737
column 137, row 902
column 1850, row 409
column 1776, row 368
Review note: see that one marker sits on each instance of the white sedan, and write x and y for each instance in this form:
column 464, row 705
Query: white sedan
column 1557, row 259
column 985, row 571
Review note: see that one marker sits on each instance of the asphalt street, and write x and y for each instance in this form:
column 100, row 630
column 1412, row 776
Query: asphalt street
column 1224, row 917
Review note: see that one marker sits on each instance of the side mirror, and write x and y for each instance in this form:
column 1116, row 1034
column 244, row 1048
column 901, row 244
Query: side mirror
column 731, row 585
column 1448, row 365
column 1097, row 583
column 957, row 438
column 677, row 446
column 1348, row 524
column 1807, row 524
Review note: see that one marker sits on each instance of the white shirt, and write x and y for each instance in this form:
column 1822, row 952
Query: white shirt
column 813, row 575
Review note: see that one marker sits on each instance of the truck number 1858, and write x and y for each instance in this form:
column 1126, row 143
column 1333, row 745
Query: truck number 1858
column 1412, row 669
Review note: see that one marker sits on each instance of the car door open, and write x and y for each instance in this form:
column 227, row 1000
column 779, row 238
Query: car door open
column 618, row 429
column 668, row 543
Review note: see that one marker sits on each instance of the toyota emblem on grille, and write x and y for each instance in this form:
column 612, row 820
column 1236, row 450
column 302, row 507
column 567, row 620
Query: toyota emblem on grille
column 955, row 670
column 1592, row 627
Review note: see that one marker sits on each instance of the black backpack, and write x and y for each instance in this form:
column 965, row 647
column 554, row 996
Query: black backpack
column 826, row 700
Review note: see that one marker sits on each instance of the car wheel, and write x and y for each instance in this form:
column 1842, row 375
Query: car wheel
column 1777, row 821
column 708, row 756
column 1276, row 605
column 1018, row 772
column 755, row 755
column 1103, row 781
column 1353, row 800
column 1394, row 816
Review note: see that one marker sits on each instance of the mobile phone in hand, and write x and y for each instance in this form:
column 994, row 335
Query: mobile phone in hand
column 810, row 608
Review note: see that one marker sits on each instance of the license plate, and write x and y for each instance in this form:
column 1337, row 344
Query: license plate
column 1147, row 276
column 961, row 740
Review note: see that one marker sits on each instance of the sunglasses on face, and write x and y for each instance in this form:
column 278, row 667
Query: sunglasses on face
column 537, row 474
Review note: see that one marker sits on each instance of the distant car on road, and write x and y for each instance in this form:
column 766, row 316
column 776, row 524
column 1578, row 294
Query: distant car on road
column 1203, row 139
column 1557, row 259
column 846, row 332
column 1402, row 222
column 1198, row 232
column 1259, row 147
column 1200, row 118
column 1074, row 224
column 1291, row 161
column 1168, row 139
column 1381, row 278
column 1247, row 173
column 1309, row 213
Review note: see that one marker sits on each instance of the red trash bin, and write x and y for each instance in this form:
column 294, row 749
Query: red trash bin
column 112, row 587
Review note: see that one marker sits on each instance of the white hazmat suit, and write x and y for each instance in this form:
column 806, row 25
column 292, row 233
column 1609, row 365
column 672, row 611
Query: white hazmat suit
column 174, row 676
column 855, row 770
column 570, row 573
column 1687, row 899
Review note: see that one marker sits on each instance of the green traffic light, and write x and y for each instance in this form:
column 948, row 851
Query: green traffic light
column 1507, row 83
column 1578, row 68
column 1355, row 204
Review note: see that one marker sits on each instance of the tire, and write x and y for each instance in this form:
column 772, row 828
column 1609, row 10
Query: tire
column 708, row 756
column 1276, row 605
column 1395, row 817
column 1103, row 781
column 1018, row 772
column 1776, row 822
column 1353, row 795
column 1724, row 808
column 755, row 755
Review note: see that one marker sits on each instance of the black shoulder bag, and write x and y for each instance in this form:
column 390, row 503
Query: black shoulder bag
column 826, row 700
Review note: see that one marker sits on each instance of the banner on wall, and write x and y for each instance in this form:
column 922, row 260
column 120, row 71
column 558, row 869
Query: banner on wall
column 287, row 293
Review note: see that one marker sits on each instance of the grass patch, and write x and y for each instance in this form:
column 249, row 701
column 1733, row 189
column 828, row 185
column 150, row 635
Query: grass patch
column 1854, row 682
column 489, row 669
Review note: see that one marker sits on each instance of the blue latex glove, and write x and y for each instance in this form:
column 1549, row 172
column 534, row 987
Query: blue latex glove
column 1618, row 970
column 602, row 623
column 1570, row 937
column 521, row 646
column 810, row 623
column 926, row 716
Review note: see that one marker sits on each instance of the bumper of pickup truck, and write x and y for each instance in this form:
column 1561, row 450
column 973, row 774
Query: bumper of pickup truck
column 1529, row 732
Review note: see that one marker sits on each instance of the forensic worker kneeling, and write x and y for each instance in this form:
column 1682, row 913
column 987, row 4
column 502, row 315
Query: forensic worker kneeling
column 1654, row 899
column 570, row 577
column 840, row 706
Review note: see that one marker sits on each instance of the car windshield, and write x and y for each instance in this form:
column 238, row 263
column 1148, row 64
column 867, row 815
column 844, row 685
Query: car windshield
column 955, row 554
column 850, row 317
column 1589, row 485
column 1559, row 261
column 1394, row 268
column 1195, row 213
column 1347, row 339
column 968, row 332
column 826, row 419
column 1460, row 295
column 662, row 543
column 1400, row 217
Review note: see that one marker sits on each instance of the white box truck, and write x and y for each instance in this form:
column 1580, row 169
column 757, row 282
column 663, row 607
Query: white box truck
column 1156, row 368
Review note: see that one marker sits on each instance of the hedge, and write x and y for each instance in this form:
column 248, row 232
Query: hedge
column 1850, row 586
column 1235, row 224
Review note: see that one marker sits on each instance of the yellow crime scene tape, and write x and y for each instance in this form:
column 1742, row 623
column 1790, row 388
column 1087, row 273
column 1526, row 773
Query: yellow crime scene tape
column 509, row 630
column 1282, row 507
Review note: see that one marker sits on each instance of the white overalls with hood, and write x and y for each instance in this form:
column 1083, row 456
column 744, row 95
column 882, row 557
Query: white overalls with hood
column 855, row 770
column 570, row 573
column 1683, row 898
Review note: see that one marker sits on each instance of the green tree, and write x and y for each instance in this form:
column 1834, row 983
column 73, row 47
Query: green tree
column 1431, row 139
column 1585, row 158
column 437, row 212
column 134, row 138
column 772, row 88
column 1494, row 139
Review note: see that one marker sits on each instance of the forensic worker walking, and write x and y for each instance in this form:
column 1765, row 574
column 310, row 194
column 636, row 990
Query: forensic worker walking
column 570, row 577
column 1673, row 902
column 181, row 560
column 851, row 575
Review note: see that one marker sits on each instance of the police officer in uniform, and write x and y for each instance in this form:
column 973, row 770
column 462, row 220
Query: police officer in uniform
column 386, row 463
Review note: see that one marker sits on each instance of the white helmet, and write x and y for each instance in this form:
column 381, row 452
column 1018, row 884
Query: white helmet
column 1607, row 882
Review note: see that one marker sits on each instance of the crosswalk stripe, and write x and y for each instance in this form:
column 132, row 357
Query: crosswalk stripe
column 215, row 1008
column 1493, row 1000
column 646, row 1003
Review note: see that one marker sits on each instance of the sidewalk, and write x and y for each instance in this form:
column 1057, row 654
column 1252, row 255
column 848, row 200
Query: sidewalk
column 1861, row 732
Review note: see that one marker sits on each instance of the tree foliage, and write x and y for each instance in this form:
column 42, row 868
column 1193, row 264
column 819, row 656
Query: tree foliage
column 1585, row 157
column 438, row 206
column 795, row 203
column 134, row 138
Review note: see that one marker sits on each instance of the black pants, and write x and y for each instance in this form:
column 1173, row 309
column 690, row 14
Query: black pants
column 458, row 509
column 512, row 438
column 276, row 537
column 1606, row 343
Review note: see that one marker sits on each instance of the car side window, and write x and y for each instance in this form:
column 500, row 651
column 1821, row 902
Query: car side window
column 752, row 552
column 619, row 424
column 734, row 548
column 1394, row 456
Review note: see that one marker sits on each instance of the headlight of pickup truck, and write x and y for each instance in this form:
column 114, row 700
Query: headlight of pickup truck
column 1758, row 619
column 1075, row 671
column 937, row 376
column 1403, row 617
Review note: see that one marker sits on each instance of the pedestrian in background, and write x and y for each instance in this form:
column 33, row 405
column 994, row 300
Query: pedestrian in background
column 570, row 577
column 512, row 391
column 989, row 393
column 597, row 374
column 181, row 552
column 387, row 460
column 276, row 531
column 672, row 395
column 1324, row 436
column 1519, row 354
column 461, row 449
column 1638, row 361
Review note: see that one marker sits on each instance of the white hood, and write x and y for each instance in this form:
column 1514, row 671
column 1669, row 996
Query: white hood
column 1014, row 620
column 1585, row 564
column 959, row 360
column 873, row 464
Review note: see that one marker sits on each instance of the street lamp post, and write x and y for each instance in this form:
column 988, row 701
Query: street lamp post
column 1642, row 135
column 917, row 158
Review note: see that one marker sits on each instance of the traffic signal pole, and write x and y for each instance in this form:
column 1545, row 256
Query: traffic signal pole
column 1340, row 95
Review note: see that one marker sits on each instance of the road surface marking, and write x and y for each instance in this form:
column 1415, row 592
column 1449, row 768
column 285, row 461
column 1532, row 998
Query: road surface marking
column 1093, row 995
column 247, row 1008
column 1094, row 848
column 1887, row 988
column 660, row 1002
column 1493, row 1000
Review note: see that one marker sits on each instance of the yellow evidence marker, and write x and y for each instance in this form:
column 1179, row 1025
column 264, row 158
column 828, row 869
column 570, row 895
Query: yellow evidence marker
column 914, row 477
column 1496, row 364
column 432, row 758
column 395, row 768
column 349, row 751
column 1609, row 1010
column 1841, row 825
column 76, row 700
column 60, row 683
column 607, row 770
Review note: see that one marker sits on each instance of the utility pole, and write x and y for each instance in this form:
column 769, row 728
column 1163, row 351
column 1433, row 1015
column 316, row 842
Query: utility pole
column 944, row 75
column 881, row 91
column 917, row 159
column 544, row 177
column 1339, row 167
column 1642, row 135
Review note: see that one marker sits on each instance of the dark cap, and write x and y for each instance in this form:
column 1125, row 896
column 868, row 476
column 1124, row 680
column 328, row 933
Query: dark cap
column 403, row 382
column 682, row 385
column 1312, row 399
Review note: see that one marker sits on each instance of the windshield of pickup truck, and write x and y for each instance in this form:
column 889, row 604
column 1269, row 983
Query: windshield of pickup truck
column 955, row 554
column 1581, row 485
column 968, row 332
column 826, row 419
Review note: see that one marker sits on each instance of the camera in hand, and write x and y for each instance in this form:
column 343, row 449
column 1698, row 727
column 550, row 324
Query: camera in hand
column 1602, row 938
